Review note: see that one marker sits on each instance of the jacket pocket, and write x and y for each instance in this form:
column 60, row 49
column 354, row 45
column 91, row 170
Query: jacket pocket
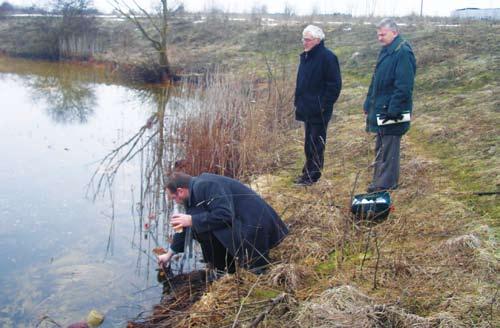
column 382, row 104
column 309, row 106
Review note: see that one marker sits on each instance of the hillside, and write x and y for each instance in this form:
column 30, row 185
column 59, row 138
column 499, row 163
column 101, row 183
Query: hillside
column 434, row 262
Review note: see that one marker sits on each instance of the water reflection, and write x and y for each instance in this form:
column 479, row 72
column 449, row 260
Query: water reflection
column 66, row 90
column 67, row 100
column 61, row 254
column 53, row 241
column 155, row 145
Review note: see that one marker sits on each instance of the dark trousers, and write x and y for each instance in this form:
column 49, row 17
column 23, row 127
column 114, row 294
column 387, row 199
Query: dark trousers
column 386, row 165
column 215, row 253
column 219, row 257
column 314, row 149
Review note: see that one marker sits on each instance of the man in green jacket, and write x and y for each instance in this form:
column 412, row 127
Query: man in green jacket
column 388, row 104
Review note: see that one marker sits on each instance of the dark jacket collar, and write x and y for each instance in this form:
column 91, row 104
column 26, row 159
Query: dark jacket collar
column 389, row 49
column 317, row 48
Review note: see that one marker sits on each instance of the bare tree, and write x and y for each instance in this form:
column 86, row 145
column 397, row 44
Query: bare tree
column 69, row 32
column 257, row 12
column 153, row 26
column 371, row 5
column 315, row 12
column 77, row 35
column 288, row 11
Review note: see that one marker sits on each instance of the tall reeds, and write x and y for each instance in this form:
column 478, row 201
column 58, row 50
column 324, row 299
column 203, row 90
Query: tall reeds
column 79, row 46
column 231, row 128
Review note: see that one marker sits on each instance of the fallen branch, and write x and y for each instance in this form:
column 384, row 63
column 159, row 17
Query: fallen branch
column 275, row 301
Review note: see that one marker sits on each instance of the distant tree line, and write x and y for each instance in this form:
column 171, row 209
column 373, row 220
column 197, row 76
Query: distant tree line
column 70, row 29
column 6, row 8
column 66, row 29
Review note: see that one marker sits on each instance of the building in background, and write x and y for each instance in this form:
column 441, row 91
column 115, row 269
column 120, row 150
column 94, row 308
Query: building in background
column 477, row 13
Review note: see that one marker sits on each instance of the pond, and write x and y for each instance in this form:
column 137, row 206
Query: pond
column 62, row 252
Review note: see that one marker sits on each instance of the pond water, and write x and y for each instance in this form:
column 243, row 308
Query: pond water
column 61, row 253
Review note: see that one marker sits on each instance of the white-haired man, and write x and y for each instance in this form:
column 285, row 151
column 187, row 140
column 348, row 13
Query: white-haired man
column 317, row 89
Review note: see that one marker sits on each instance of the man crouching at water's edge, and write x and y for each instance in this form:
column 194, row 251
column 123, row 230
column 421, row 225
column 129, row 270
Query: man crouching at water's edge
column 232, row 223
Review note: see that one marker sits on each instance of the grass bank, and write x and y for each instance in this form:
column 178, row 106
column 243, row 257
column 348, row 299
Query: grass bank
column 434, row 262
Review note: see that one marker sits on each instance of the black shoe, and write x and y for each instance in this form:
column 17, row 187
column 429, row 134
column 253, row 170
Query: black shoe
column 305, row 182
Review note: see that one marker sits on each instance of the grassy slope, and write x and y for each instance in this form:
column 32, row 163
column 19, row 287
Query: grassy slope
column 451, row 151
column 436, row 256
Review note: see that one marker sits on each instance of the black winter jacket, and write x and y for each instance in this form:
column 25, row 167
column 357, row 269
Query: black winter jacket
column 318, row 85
column 239, row 218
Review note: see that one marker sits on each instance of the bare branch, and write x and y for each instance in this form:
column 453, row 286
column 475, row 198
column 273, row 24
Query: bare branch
column 151, row 19
column 134, row 19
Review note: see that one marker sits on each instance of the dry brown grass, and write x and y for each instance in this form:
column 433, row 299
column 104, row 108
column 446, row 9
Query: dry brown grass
column 346, row 306
column 231, row 301
column 290, row 276
column 233, row 128
column 426, row 266
column 433, row 263
column 430, row 262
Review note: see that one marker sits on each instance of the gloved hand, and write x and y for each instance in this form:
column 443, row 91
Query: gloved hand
column 389, row 116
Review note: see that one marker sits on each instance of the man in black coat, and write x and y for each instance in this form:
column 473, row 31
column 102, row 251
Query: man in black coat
column 230, row 221
column 317, row 89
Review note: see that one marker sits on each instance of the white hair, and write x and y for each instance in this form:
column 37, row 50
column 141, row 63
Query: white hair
column 315, row 32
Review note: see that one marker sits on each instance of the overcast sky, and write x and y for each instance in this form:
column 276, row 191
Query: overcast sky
column 355, row 7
